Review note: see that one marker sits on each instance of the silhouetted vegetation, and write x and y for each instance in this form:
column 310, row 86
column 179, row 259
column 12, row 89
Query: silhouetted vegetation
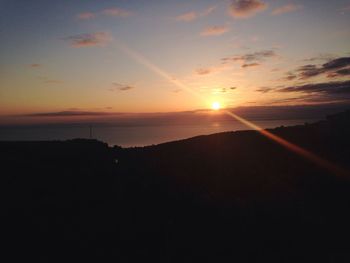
column 228, row 197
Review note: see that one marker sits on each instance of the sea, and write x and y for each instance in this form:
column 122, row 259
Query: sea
column 134, row 136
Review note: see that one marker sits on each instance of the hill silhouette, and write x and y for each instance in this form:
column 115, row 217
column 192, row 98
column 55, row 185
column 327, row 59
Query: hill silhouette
column 227, row 197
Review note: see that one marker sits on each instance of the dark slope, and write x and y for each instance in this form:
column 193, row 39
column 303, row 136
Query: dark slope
column 219, row 198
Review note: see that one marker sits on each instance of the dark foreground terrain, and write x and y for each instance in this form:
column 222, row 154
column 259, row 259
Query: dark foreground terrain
column 228, row 197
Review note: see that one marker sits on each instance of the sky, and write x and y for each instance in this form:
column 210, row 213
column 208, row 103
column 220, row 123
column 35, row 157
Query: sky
column 144, row 56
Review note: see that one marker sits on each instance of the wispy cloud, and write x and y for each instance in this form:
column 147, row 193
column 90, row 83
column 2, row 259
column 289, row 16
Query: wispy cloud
column 250, row 58
column 193, row 15
column 187, row 17
column 47, row 80
column 286, row 9
column 210, row 70
column 246, row 8
column 112, row 11
column 86, row 16
column 223, row 90
column 89, row 40
column 208, row 11
column 250, row 65
column 290, row 76
column 203, row 71
column 115, row 11
column 121, row 87
column 69, row 113
column 35, row 65
column 321, row 57
column 214, row 30
column 264, row 89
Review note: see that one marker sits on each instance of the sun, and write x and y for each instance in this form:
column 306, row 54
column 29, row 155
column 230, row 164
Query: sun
column 216, row 105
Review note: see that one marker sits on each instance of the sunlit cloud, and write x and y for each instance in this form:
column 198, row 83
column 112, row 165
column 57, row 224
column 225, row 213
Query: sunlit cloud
column 246, row 8
column 90, row 40
column 190, row 16
column 115, row 11
column 86, row 16
column 187, row 17
column 214, row 31
column 286, row 9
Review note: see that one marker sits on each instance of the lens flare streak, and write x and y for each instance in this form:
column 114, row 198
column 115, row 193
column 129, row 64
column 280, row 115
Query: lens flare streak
column 319, row 161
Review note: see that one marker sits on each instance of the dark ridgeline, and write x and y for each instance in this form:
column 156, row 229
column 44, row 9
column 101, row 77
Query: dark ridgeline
column 228, row 197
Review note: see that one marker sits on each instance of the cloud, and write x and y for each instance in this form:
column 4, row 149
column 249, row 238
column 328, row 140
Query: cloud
column 250, row 65
column 337, row 63
column 223, row 90
column 290, row 76
column 335, row 87
column 325, row 92
column 343, row 72
column 67, row 114
column 89, row 40
column 251, row 57
column 286, row 9
column 86, row 16
column 121, row 87
column 214, row 31
column 264, row 89
column 203, row 71
column 190, row 16
column 187, row 17
column 208, row 11
column 321, row 57
column 115, row 11
column 35, row 65
column 210, row 70
column 246, row 8
column 126, row 88
column 334, row 68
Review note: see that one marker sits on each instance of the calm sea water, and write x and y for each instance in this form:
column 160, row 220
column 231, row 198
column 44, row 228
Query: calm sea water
column 133, row 136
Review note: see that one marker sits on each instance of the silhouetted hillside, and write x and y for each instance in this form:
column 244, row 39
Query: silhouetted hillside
column 228, row 197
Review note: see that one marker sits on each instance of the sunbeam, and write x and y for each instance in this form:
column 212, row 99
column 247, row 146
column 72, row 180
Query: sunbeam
column 312, row 157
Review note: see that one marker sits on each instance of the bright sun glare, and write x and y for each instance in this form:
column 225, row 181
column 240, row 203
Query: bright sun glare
column 216, row 105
